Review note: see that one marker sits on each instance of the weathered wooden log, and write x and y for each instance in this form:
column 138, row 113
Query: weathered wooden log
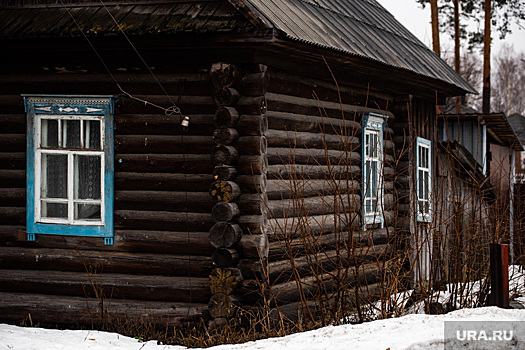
column 293, row 312
column 312, row 106
column 163, row 144
column 293, row 139
column 290, row 84
column 189, row 104
column 167, row 242
column 15, row 197
column 312, row 156
column 248, row 165
column 225, row 235
column 289, row 228
column 12, row 142
column 13, row 123
column 159, row 242
column 322, row 205
column 254, row 224
column 12, row 104
column 325, row 283
column 11, row 234
column 254, row 246
column 159, row 163
column 389, row 202
column 224, row 135
column 225, row 257
column 288, row 189
column 253, row 84
column 218, row 323
column 226, row 96
column 53, row 309
column 196, row 78
column 162, row 220
column 219, row 275
column 224, row 173
column 12, row 160
column 252, row 105
column 252, row 145
column 223, row 305
column 12, row 215
column 222, row 154
column 226, row 191
column 226, row 117
column 224, row 74
column 161, row 124
column 280, row 250
column 253, row 203
column 224, row 211
column 162, row 182
column 13, row 178
column 315, row 261
column 314, row 172
column 145, row 287
column 311, row 123
column 196, row 202
column 252, row 125
column 254, row 268
column 252, row 183
column 105, row 261
column 251, row 292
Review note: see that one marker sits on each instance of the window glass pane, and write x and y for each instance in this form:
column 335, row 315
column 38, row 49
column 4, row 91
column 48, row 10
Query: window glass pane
column 87, row 211
column 374, row 179
column 87, row 177
column 54, row 210
column 367, row 179
column 420, row 184
column 54, row 176
column 71, row 133
column 49, row 133
column 92, row 134
column 425, row 185
column 375, row 145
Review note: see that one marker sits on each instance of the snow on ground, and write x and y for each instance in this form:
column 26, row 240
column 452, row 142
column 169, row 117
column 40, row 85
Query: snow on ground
column 414, row 331
column 408, row 332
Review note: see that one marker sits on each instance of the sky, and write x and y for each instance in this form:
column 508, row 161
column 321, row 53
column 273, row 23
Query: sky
column 417, row 20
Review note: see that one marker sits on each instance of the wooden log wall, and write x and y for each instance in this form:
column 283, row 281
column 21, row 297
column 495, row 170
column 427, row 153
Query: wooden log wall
column 314, row 189
column 161, row 258
column 240, row 158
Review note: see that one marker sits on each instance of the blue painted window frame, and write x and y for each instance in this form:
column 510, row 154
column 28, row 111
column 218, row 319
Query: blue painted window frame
column 85, row 105
column 377, row 123
column 424, row 165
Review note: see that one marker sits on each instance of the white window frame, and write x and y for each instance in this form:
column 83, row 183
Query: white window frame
column 423, row 191
column 72, row 182
column 373, row 127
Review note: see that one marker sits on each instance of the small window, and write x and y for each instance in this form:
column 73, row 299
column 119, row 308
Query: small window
column 373, row 126
column 70, row 165
column 423, row 179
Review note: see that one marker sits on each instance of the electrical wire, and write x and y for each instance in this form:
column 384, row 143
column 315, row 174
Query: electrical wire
column 174, row 109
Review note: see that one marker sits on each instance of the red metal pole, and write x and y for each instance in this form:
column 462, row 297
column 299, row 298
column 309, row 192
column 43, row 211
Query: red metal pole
column 499, row 275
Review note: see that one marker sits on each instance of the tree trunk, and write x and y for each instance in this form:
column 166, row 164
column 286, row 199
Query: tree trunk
column 486, row 59
column 435, row 27
column 457, row 53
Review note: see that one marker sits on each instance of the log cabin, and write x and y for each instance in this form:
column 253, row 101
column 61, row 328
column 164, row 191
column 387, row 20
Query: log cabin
column 171, row 159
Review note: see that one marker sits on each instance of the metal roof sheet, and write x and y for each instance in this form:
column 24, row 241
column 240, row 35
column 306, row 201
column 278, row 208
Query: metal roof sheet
column 361, row 28
column 357, row 27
